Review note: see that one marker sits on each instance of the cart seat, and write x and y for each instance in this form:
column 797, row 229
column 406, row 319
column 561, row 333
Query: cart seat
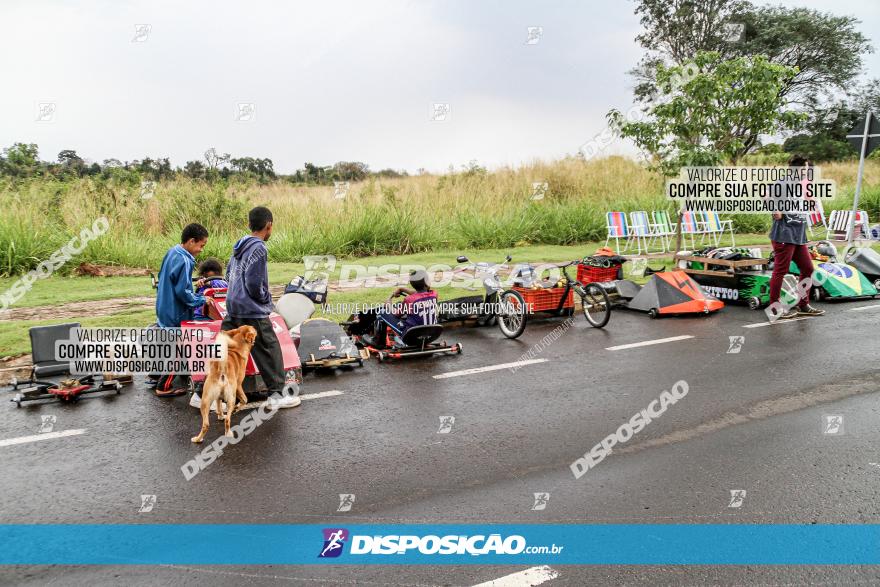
column 295, row 308
column 43, row 349
column 421, row 336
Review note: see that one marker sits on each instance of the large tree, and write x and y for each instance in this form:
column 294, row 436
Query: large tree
column 710, row 114
column 827, row 50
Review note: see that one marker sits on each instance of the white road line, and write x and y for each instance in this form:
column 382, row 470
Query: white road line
column 528, row 578
column 647, row 343
column 786, row 321
column 304, row 396
column 872, row 307
column 320, row 394
column 488, row 368
column 44, row 436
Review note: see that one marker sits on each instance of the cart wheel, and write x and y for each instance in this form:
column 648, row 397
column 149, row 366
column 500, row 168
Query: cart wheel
column 754, row 303
column 877, row 283
column 595, row 304
column 512, row 322
column 818, row 294
column 381, row 356
column 458, row 348
column 17, row 400
column 118, row 388
column 360, row 362
column 653, row 313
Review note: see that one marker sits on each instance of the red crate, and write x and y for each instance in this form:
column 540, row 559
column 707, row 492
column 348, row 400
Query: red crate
column 591, row 274
column 543, row 300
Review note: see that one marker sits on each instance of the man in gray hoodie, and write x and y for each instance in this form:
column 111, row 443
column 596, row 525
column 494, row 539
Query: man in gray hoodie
column 249, row 302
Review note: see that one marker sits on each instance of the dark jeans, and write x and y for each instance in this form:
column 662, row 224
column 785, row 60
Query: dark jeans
column 266, row 351
column 384, row 321
column 783, row 255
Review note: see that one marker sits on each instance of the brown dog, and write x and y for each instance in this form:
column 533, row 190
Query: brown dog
column 225, row 376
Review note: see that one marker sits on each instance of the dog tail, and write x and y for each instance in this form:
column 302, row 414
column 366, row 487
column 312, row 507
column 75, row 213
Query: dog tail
column 223, row 372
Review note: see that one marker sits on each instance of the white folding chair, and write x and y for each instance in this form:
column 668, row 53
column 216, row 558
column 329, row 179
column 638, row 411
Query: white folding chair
column 639, row 230
column 615, row 224
column 715, row 227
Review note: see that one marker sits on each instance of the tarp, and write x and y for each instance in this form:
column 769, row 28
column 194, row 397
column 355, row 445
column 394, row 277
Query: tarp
column 674, row 292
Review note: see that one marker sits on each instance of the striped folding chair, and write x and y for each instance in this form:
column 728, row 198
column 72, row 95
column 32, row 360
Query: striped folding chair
column 715, row 227
column 691, row 225
column 639, row 230
column 817, row 217
column 838, row 225
column 663, row 227
column 862, row 228
column 615, row 223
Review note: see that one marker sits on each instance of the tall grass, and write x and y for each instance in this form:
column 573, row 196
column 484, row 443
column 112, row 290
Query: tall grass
column 389, row 216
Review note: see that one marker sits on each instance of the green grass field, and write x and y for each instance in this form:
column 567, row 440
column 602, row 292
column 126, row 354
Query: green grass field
column 426, row 213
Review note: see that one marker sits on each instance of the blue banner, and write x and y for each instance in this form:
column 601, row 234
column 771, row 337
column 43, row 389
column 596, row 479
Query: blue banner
column 602, row 544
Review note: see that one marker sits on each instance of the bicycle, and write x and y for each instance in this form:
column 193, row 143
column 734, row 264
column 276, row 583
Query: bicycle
column 504, row 307
column 595, row 304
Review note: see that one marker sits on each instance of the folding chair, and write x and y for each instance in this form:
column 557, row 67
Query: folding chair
column 615, row 223
column 640, row 230
column 839, row 221
column 663, row 227
column 817, row 217
column 715, row 227
column 862, row 227
column 690, row 225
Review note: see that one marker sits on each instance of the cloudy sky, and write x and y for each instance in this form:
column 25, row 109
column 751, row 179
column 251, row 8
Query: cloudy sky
column 328, row 81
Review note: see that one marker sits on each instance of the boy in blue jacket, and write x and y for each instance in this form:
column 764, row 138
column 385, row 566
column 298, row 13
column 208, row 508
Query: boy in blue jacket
column 249, row 302
column 175, row 300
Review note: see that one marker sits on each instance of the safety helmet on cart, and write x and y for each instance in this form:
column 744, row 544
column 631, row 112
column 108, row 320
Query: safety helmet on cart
column 827, row 249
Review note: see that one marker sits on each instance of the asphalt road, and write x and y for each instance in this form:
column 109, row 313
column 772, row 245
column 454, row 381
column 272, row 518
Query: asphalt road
column 753, row 420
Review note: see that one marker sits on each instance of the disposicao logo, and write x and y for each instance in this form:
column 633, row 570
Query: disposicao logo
column 334, row 540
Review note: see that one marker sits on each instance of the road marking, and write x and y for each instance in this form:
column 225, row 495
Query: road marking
column 304, row 396
column 38, row 437
column 786, row 321
column 872, row 307
column 488, row 368
column 527, row 578
column 647, row 343
column 321, row 394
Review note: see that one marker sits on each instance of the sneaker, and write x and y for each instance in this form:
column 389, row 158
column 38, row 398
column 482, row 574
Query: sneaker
column 809, row 310
column 788, row 314
column 196, row 402
column 287, row 401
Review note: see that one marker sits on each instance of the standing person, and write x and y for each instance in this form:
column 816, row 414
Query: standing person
column 249, row 303
column 175, row 299
column 788, row 236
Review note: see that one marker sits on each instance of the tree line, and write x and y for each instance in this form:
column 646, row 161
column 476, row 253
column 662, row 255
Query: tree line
column 22, row 160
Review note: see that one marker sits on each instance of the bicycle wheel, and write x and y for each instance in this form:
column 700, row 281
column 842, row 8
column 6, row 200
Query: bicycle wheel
column 595, row 304
column 512, row 313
